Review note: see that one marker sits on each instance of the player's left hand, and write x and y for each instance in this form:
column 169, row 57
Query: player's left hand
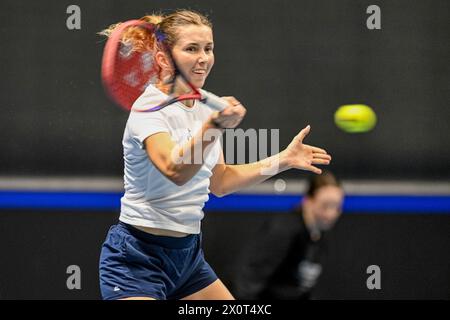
column 302, row 156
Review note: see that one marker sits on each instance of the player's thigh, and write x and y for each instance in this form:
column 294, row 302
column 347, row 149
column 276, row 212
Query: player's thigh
column 215, row 291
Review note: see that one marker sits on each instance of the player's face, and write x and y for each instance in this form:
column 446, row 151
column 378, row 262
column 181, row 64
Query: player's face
column 326, row 206
column 193, row 53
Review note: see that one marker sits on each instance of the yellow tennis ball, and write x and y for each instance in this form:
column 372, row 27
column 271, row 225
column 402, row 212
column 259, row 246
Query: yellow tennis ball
column 354, row 118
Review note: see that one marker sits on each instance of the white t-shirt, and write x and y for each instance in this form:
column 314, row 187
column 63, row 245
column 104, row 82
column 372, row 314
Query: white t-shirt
column 151, row 199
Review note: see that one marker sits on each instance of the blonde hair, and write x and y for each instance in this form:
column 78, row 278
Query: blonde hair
column 167, row 29
column 165, row 37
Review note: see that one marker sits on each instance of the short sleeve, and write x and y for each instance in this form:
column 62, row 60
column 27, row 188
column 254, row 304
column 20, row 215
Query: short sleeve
column 143, row 125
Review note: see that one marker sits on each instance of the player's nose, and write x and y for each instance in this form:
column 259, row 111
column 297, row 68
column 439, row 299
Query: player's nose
column 203, row 57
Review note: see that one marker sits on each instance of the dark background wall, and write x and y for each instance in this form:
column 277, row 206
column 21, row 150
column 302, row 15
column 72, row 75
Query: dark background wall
column 292, row 63
column 411, row 251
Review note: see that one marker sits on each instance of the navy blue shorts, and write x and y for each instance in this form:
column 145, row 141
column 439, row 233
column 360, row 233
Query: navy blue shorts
column 134, row 263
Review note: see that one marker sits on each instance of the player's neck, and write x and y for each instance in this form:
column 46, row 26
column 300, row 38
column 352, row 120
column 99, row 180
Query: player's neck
column 189, row 103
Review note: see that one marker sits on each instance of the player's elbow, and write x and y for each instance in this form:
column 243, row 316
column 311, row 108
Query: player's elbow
column 179, row 174
column 218, row 194
column 180, row 182
column 176, row 177
column 217, row 191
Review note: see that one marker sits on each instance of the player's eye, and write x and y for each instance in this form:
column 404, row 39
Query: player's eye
column 191, row 49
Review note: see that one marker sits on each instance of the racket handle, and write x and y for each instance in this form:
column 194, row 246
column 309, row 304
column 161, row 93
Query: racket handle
column 213, row 101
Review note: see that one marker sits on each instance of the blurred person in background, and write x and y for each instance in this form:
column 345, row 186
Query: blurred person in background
column 284, row 262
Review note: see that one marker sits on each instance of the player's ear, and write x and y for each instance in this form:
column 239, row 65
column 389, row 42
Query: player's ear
column 162, row 60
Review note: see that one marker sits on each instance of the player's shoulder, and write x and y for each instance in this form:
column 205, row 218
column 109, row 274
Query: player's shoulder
column 151, row 97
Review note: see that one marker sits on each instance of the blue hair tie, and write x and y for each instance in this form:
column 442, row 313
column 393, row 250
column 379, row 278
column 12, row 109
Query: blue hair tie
column 160, row 36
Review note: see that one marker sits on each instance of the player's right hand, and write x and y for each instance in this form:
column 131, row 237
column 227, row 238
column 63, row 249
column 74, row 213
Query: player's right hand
column 231, row 116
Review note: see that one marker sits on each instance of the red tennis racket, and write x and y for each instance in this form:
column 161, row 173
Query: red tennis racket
column 126, row 72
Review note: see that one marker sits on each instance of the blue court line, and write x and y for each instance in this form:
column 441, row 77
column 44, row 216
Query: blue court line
column 99, row 201
column 60, row 200
column 352, row 203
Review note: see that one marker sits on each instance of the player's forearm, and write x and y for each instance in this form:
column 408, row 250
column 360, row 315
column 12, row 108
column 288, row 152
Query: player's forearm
column 188, row 159
column 237, row 177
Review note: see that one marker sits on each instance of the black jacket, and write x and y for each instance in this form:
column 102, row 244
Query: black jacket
column 281, row 263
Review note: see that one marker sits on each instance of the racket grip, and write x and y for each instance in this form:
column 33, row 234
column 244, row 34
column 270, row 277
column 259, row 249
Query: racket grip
column 213, row 101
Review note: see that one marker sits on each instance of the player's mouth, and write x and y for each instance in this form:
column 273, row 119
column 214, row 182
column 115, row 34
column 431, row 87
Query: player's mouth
column 199, row 71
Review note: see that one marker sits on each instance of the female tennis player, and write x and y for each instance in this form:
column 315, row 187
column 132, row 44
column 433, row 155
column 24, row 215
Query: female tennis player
column 155, row 251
